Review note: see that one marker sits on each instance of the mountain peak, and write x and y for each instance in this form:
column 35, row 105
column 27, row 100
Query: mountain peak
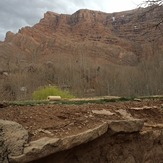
column 50, row 14
column 9, row 36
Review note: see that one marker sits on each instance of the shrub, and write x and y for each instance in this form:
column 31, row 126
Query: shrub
column 43, row 92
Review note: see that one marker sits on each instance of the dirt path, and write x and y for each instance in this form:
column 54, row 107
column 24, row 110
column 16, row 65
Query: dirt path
column 62, row 120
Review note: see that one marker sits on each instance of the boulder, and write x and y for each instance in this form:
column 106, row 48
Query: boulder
column 14, row 137
column 47, row 146
column 126, row 126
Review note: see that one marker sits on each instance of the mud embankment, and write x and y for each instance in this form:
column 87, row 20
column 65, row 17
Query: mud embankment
column 119, row 148
column 113, row 141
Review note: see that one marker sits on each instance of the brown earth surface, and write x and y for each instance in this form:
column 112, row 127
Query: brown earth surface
column 58, row 120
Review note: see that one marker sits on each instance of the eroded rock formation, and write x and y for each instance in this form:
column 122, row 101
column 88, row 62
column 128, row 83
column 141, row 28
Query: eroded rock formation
column 115, row 141
column 94, row 33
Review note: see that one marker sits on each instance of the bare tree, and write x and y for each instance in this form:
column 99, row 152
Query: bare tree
column 152, row 6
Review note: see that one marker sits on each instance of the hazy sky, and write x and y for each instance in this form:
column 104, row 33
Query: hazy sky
column 15, row 14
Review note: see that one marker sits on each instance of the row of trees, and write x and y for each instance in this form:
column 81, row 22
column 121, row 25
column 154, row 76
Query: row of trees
column 84, row 78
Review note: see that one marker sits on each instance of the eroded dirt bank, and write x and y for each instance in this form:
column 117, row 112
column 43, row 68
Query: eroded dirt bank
column 145, row 147
column 121, row 132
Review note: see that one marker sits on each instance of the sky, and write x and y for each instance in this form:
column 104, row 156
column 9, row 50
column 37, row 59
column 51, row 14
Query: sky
column 15, row 14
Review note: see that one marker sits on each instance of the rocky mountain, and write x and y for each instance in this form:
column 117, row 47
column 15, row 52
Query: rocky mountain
column 89, row 52
column 102, row 37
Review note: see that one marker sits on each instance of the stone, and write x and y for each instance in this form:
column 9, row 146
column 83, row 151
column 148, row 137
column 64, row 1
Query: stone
column 84, row 137
column 130, row 159
column 126, row 126
column 102, row 112
column 45, row 131
column 154, row 125
column 37, row 149
column 137, row 99
column 143, row 108
column 15, row 137
column 46, row 146
column 41, row 145
column 124, row 114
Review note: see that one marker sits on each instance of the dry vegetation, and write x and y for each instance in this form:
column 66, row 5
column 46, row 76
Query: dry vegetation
column 84, row 78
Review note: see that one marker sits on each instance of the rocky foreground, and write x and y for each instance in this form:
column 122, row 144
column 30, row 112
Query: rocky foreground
column 116, row 132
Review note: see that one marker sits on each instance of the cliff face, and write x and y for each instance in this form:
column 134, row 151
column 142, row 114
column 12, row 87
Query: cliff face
column 118, row 38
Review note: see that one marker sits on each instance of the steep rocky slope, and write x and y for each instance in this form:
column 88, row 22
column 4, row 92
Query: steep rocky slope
column 118, row 38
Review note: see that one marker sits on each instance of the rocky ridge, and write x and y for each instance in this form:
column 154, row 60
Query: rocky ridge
column 107, row 37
